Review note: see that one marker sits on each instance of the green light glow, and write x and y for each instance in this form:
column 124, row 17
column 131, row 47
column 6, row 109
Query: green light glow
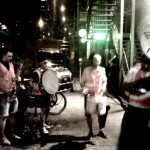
column 99, row 36
column 83, row 40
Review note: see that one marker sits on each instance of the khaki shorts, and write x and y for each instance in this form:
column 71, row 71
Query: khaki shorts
column 96, row 104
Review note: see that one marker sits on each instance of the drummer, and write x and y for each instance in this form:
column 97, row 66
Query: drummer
column 42, row 99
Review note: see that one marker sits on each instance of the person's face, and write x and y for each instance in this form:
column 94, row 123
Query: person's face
column 44, row 64
column 8, row 57
column 96, row 61
column 145, row 64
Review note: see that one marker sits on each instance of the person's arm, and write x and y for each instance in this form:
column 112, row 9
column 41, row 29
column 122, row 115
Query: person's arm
column 83, row 78
column 1, row 87
column 128, row 86
column 18, row 72
column 104, row 84
column 130, row 80
column 4, row 90
column 34, row 81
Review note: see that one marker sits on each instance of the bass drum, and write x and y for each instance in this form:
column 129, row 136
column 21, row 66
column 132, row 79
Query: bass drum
column 50, row 81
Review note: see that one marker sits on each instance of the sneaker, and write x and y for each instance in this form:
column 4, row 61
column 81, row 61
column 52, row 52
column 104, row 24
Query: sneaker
column 5, row 141
column 44, row 130
column 90, row 135
column 103, row 134
column 14, row 136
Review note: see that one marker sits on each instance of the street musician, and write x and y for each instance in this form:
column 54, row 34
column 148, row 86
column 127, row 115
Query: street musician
column 135, row 131
column 8, row 106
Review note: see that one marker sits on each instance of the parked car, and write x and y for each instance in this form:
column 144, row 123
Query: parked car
column 57, row 60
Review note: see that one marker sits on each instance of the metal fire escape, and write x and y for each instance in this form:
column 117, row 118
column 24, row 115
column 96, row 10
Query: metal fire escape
column 103, row 16
column 100, row 16
column 100, row 19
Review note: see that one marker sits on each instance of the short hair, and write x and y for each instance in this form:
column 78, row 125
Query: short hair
column 97, row 56
column 6, row 50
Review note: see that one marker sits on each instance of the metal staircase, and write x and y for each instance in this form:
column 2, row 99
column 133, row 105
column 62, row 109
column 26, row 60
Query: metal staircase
column 126, row 53
column 100, row 18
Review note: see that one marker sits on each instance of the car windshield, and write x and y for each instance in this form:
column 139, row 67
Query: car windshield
column 54, row 57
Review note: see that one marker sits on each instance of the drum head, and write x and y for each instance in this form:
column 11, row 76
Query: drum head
column 50, row 81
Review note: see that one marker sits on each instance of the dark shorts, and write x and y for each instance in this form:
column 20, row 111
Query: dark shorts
column 7, row 107
column 41, row 101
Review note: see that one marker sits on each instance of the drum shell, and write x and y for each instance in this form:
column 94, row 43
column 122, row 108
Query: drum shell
column 65, row 82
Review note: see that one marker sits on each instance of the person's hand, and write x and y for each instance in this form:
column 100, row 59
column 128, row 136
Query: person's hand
column 147, row 75
column 144, row 84
column 85, row 90
column 18, row 79
column 36, row 87
column 6, row 90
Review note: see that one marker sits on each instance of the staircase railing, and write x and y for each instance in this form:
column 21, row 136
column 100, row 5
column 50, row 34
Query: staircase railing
column 126, row 63
column 89, row 6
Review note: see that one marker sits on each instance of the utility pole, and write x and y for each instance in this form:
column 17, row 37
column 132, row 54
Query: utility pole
column 132, row 33
column 54, row 16
column 121, row 41
column 77, row 50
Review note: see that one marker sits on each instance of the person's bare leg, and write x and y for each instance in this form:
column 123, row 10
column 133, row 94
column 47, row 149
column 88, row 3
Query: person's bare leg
column 3, row 138
column 102, row 122
column 89, row 123
column 2, row 126
column 43, row 119
column 47, row 113
column 12, row 125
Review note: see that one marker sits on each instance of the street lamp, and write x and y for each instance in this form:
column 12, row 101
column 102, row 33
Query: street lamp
column 83, row 40
column 41, row 23
column 62, row 8
column 82, row 33
column 65, row 29
column 63, row 18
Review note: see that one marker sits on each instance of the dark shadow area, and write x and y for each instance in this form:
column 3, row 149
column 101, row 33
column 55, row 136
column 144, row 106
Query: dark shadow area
column 119, row 95
column 60, row 138
column 31, row 134
column 71, row 145
column 116, row 111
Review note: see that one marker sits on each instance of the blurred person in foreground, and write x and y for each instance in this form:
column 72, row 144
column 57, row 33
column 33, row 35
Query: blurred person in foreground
column 8, row 100
column 42, row 99
column 94, row 82
column 135, row 129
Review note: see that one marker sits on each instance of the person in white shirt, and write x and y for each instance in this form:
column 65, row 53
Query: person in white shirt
column 94, row 82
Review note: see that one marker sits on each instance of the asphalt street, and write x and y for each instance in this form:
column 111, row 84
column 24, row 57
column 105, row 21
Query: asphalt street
column 69, row 128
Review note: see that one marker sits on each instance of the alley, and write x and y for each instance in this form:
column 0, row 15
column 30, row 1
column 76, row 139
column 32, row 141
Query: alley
column 70, row 128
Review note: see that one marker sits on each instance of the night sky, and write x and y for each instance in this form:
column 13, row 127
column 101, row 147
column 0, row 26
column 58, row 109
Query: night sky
column 12, row 10
column 26, row 13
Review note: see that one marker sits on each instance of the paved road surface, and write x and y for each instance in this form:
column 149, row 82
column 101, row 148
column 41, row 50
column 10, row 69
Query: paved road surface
column 70, row 128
